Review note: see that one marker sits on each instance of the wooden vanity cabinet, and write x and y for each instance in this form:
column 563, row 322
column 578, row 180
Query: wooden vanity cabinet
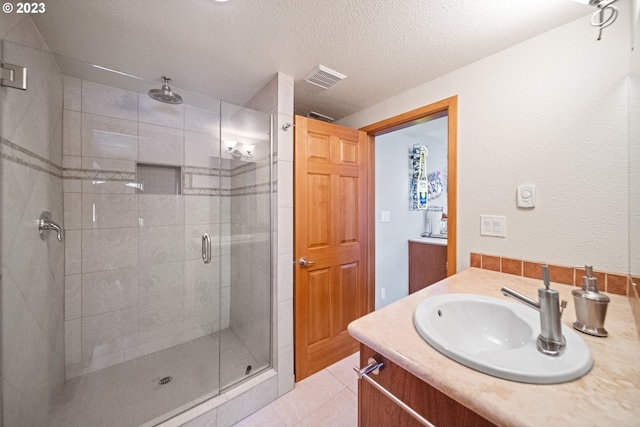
column 377, row 410
column 427, row 265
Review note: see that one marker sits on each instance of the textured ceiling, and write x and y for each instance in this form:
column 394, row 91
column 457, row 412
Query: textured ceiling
column 230, row 50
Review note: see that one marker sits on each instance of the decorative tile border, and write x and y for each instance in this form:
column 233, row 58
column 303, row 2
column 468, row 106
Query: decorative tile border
column 251, row 190
column 99, row 174
column 20, row 155
column 614, row 283
column 188, row 172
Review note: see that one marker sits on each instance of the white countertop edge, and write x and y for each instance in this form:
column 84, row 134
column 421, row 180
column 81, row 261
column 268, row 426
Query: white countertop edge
column 429, row 241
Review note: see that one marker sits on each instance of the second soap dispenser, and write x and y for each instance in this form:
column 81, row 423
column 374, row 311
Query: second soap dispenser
column 591, row 306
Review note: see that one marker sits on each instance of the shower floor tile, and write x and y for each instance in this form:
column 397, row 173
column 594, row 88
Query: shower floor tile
column 129, row 394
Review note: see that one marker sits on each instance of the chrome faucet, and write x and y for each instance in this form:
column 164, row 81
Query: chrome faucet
column 550, row 341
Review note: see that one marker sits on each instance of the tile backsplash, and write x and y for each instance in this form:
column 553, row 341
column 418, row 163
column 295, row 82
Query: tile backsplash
column 611, row 282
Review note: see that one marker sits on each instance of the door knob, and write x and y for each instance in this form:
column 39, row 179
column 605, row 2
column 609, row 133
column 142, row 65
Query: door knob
column 305, row 263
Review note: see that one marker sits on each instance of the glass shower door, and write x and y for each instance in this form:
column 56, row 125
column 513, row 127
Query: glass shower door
column 245, row 341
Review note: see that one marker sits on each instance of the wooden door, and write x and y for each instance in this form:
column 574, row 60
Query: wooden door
column 330, row 192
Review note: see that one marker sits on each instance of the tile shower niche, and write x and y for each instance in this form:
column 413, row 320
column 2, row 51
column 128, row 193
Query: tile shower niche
column 158, row 179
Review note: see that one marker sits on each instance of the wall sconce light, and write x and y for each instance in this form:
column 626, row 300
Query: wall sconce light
column 235, row 149
column 604, row 16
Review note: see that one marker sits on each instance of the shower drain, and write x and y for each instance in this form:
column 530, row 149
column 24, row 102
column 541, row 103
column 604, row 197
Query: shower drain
column 165, row 380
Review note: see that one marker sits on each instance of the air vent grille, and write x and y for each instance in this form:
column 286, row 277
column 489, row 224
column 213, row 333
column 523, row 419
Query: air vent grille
column 318, row 116
column 324, row 77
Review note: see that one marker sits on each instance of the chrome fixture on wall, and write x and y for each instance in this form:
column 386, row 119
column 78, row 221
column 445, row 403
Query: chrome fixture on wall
column 45, row 225
column 165, row 94
column 14, row 76
column 235, row 149
column 604, row 16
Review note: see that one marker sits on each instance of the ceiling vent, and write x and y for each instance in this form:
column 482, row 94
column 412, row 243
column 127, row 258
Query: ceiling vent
column 318, row 116
column 324, row 77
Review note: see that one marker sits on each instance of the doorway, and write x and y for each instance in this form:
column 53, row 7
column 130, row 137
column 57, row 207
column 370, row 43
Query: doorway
column 447, row 110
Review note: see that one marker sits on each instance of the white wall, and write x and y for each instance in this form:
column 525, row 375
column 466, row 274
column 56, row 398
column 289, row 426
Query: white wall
column 551, row 111
column 634, row 151
column 393, row 178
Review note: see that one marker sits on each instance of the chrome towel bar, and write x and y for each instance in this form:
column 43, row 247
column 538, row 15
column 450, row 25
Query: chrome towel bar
column 374, row 367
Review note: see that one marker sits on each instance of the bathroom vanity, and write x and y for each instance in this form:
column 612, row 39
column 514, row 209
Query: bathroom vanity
column 427, row 262
column 448, row 393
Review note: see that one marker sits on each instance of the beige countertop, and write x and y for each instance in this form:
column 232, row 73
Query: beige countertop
column 609, row 395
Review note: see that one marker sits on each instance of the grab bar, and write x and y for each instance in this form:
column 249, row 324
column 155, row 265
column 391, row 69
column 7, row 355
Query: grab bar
column 374, row 367
column 206, row 248
column 45, row 225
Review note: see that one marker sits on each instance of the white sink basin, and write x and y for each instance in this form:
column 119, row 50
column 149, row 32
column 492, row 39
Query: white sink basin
column 498, row 337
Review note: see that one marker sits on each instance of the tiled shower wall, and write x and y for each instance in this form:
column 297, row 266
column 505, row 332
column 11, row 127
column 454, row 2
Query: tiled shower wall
column 250, row 316
column 276, row 98
column 135, row 282
column 32, row 269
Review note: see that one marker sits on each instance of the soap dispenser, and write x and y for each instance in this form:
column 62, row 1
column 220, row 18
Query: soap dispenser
column 591, row 306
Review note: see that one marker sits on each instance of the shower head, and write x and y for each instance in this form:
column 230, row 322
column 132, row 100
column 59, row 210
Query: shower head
column 165, row 95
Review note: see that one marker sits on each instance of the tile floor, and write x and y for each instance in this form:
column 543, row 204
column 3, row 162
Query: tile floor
column 129, row 394
column 328, row 398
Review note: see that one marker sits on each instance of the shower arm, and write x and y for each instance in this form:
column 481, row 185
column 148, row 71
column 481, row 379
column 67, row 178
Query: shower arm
column 45, row 225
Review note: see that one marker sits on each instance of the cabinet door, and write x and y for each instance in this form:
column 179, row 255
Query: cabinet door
column 376, row 410
column 427, row 265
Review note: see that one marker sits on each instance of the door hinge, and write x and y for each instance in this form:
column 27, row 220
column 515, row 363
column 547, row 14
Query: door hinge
column 14, row 76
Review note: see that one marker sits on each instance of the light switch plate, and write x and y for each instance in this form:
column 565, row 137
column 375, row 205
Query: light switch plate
column 385, row 216
column 493, row 225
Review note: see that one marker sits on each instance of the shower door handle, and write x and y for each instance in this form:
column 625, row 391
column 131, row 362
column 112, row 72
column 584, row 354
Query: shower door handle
column 206, row 248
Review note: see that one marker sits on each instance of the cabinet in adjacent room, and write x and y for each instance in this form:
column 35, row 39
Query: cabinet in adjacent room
column 427, row 265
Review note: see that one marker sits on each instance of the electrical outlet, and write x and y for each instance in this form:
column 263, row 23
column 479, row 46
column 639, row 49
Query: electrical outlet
column 383, row 294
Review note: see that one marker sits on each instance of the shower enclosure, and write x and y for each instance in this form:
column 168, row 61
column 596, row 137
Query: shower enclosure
column 159, row 294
